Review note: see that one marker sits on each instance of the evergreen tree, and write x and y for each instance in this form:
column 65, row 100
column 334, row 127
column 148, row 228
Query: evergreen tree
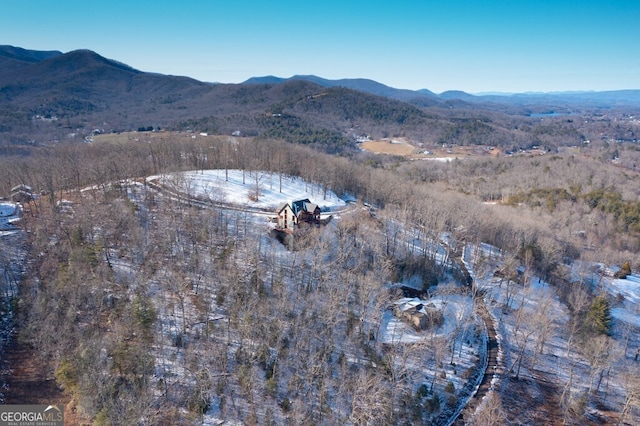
column 599, row 316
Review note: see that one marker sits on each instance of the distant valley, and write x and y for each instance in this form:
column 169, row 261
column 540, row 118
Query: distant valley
column 49, row 96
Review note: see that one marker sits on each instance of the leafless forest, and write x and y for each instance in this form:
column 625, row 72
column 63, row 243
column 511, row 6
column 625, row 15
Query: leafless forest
column 148, row 310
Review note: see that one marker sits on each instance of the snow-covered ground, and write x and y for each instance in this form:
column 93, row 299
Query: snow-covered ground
column 256, row 189
column 460, row 339
column 456, row 310
column 517, row 310
column 9, row 216
column 440, row 159
column 526, row 318
column 535, row 338
column 624, row 292
column 627, row 291
column 13, row 260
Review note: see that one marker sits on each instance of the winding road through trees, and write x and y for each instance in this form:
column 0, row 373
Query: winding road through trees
column 492, row 367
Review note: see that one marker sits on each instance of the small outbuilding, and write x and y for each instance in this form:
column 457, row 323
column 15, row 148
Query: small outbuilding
column 418, row 313
column 21, row 193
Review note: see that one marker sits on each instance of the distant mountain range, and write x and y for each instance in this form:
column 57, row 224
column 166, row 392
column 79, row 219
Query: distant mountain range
column 425, row 97
column 422, row 97
column 50, row 95
column 13, row 59
column 18, row 54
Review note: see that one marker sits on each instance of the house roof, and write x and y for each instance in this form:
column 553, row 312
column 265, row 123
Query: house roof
column 281, row 207
column 21, row 187
column 299, row 206
column 311, row 207
column 303, row 206
column 406, row 304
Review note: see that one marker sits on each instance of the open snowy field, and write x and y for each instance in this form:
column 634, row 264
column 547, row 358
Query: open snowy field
column 255, row 189
column 628, row 292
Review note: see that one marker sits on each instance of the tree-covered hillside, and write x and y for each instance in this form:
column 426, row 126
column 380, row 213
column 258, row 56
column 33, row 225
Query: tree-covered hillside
column 50, row 98
column 177, row 311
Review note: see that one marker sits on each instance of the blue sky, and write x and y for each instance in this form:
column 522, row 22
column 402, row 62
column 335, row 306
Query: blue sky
column 470, row 45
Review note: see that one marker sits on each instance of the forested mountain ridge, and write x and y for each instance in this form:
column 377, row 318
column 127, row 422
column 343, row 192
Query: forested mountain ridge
column 195, row 313
column 50, row 96
column 20, row 56
column 425, row 97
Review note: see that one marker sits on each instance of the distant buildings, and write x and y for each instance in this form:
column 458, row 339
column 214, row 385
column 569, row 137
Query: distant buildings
column 21, row 193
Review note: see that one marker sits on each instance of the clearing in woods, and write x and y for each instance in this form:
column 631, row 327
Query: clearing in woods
column 394, row 147
column 402, row 147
